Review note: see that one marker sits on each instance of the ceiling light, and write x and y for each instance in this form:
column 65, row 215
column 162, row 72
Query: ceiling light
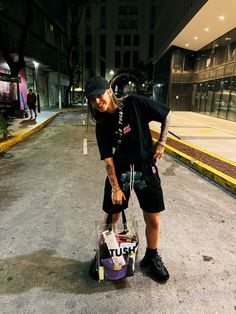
column 216, row 45
column 222, row 18
column 186, row 45
column 195, row 38
column 206, row 29
column 227, row 38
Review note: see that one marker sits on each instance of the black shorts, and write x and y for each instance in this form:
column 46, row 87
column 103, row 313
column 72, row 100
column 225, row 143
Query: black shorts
column 147, row 186
column 32, row 106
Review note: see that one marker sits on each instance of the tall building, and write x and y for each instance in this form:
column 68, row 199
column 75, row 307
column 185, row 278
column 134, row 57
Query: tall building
column 195, row 57
column 117, row 38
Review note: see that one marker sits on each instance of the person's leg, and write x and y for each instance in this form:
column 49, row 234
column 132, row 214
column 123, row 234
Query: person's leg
column 152, row 221
column 31, row 113
column 35, row 113
column 152, row 259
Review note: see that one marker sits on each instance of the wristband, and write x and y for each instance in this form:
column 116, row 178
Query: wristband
column 161, row 143
column 114, row 191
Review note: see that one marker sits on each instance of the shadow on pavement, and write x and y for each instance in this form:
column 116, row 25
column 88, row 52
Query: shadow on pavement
column 43, row 269
column 28, row 122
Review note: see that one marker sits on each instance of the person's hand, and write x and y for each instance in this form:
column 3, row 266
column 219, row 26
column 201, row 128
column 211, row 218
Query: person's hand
column 117, row 197
column 159, row 151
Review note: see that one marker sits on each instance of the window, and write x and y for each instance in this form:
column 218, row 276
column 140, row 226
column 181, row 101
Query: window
column 133, row 24
column 122, row 24
column 133, row 10
column 150, row 51
column 123, row 10
column 88, row 40
column 126, row 59
column 136, row 40
column 103, row 17
column 135, row 59
column 127, row 40
column 117, row 59
column 88, row 13
column 88, row 59
column 102, row 68
column 118, row 40
column 103, row 46
column 232, row 101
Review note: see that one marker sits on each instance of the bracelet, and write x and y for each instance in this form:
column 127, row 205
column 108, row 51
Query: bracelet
column 161, row 143
column 114, row 191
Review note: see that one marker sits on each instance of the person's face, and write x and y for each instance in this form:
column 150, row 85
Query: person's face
column 101, row 102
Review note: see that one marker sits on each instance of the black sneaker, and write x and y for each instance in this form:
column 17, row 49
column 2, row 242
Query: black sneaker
column 156, row 267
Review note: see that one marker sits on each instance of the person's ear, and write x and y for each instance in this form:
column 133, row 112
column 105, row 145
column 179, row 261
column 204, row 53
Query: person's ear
column 110, row 91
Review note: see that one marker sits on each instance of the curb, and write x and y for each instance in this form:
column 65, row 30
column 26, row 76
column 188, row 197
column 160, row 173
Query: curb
column 7, row 144
column 214, row 175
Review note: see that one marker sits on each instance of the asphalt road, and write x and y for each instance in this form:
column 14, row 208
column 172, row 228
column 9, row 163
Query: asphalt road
column 50, row 197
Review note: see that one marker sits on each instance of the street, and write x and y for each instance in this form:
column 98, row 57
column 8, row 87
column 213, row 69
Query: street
column 51, row 188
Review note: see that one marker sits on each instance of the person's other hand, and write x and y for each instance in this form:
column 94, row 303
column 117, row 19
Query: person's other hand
column 159, row 151
column 117, row 197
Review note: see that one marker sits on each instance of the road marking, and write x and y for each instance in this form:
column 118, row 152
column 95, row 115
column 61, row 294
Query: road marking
column 85, row 146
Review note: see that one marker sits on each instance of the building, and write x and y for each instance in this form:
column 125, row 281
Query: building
column 117, row 42
column 45, row 51
column 195, row 57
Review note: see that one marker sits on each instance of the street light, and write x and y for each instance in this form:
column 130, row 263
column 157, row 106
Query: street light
column 36, row 67
column 112, row 72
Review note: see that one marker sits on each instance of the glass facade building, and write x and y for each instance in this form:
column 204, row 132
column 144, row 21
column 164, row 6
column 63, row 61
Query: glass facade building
column 202, row 81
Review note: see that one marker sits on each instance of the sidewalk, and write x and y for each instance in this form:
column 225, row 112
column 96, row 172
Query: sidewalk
column 203, row 135
column 204, row 143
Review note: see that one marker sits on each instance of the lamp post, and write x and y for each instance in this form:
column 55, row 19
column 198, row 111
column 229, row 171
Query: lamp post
column 36, row 67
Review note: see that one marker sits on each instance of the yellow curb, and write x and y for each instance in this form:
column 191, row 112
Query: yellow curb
column 200, row 149
column 18, row 136
column 218, row 177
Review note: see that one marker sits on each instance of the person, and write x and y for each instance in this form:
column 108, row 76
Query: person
column 125, row 144
column 31, row 102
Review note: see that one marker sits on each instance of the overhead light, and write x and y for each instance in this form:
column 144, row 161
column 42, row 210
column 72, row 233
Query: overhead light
column 216, row 45
column 195, row 38
column 186, row 45
column 222, row 18
column 206, row 29
column 227, row 38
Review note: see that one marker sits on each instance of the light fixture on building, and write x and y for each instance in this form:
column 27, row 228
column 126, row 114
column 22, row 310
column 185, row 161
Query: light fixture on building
column 186, row 45
column 221, row 18
column 112, row 72
column 195, row 38
column 206, row 29
column 36, row 65
column 227, row 38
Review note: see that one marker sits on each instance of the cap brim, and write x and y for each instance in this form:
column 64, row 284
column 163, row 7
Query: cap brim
column 100, row 91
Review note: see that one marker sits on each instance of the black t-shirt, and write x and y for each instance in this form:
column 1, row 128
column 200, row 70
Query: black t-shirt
column 136, row 142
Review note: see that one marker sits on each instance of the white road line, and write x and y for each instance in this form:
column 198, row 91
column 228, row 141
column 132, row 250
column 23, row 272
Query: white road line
column 85, row 146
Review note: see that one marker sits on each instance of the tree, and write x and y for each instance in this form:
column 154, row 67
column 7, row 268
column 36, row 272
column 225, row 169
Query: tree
column 75, row 12
column 16, row 65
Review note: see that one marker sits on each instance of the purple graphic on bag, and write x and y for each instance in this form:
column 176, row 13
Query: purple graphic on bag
column 110, row 272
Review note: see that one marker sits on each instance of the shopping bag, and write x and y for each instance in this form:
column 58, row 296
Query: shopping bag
column 117, row 248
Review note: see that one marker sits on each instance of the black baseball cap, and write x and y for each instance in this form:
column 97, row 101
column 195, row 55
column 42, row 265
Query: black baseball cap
column 96, row 86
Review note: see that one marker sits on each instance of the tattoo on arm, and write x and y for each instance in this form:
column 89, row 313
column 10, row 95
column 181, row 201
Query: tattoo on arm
column 164, row 129
column 111, row 172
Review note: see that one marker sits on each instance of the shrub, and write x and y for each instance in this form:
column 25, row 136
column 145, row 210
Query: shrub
column 4, row 127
